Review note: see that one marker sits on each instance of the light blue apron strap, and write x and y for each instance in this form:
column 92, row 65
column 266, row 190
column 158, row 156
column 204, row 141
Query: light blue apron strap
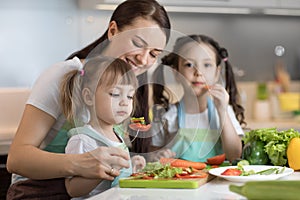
column 211, row 114
column 85, row 131
column 181, row 114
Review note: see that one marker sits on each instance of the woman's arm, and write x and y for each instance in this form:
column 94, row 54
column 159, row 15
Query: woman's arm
column 26, row 159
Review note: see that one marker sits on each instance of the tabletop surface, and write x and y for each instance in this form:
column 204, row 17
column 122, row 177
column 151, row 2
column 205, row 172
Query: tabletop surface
column 217, row 188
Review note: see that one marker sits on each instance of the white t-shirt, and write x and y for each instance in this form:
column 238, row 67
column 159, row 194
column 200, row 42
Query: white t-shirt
column 199, row 120
column 45, row 94
column 85, row 139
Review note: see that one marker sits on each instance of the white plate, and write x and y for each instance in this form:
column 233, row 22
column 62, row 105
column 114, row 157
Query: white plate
column 256, row 168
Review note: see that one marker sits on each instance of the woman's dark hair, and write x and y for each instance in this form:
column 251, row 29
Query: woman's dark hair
column 124, row 15
column 162, row 97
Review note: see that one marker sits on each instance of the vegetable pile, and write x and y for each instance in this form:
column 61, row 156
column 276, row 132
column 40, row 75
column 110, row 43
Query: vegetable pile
column 240, row 171
column 274, row 144
column 171, row 168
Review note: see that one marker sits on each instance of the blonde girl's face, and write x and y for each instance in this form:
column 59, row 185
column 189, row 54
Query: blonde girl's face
column 139, row 44
column 114, row 104
column 197, row 65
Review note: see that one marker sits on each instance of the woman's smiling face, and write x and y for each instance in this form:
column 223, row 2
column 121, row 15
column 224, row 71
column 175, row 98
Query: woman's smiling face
column 139, row 44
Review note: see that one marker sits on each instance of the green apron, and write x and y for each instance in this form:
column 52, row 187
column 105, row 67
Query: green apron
column 197, row 144
column 59, row 143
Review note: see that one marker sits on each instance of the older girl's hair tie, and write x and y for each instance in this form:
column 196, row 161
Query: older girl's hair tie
column 81, row 72
column 225, row 59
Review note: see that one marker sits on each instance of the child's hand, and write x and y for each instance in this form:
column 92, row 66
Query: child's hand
column 138, row 163
column 164, row 153
column 220, row 98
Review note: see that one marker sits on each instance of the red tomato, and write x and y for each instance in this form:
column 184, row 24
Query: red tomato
column 232, row 172
column 139, row 126
column 216, row 160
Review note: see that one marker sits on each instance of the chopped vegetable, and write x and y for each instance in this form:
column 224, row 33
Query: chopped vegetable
column 243, row 163
column 232, row 172
column 156, row 170
column 240, row 171
column 216, row 160
column 138, row 120
column 139, row 124
column 182, row 163
column 194, row 175
column 140, row 127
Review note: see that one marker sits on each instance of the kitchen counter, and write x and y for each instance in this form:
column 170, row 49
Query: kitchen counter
column 12, row 104
column 282, row 124
column 6, row 137
column 215, row 189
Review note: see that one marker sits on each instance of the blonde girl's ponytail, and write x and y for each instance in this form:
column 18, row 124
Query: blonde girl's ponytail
column 70, row 94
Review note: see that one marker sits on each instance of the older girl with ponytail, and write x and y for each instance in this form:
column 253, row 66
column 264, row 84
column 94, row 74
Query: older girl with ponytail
column 207, row 120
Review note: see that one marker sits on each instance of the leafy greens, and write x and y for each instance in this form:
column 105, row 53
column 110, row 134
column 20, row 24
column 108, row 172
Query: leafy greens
column 276, row 142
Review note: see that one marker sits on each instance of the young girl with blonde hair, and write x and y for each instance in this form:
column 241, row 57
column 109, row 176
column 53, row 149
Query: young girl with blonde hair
column 95, row 98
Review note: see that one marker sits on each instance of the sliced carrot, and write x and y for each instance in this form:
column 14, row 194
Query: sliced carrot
column 207, row 87
column 196, row 175
column 182, row 163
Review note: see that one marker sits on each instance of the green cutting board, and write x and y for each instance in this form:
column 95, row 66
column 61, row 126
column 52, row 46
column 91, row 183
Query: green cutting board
column 163, row 183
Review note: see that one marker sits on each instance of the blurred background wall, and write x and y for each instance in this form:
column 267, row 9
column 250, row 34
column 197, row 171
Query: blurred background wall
column 35, row 34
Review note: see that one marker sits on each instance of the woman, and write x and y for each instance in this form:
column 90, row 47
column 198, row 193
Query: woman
column 138, row 21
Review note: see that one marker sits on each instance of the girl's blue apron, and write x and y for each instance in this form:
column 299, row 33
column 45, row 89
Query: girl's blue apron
column 197, row 144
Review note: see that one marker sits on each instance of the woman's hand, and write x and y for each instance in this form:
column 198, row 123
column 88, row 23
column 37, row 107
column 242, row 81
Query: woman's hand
column 103, row 163
column 138, row 163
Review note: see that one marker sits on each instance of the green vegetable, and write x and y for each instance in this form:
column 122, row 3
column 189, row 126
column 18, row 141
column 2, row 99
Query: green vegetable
column 158, row 170
column 268, row 190
column 275, row 143
column 254, row 152
column 270, row 171
column 274, row 170
column 243, row 163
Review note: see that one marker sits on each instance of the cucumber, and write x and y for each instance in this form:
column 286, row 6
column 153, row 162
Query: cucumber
column 266, row 190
